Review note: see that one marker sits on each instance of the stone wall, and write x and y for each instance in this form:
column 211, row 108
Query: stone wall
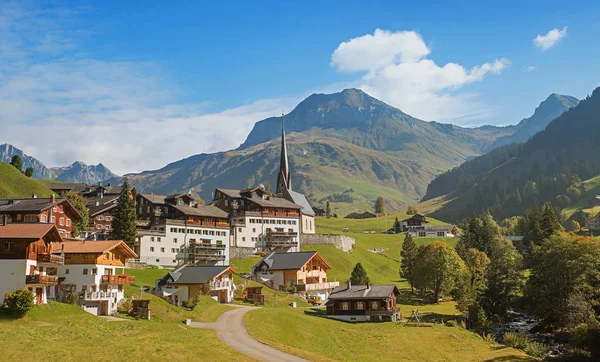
column 342, row 242
column 240, row 253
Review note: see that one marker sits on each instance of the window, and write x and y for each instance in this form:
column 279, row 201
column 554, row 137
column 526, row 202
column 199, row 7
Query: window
column 162, row 250
column 175, row 240
column 106, row 256
column 239, row 230
column 99, row 227
column 243, row 238
column 253, row 230
column 100, row 217
column 157, row 260
column 360, row 305
column 94, row 271
column 182, row 231
column 68, row 222
column 173, row 230
column 345, row 306
column 107, row 227
column 66, row 235
column 31, row 218
column 158, row 239
column 52, row 219
column 151, row 248
column 62, row 209
column 174, row 261
column 67, row 271
column 173, row 250
column 85, row 271
column 374, row 305
column 152, row 238
column 422, row 233
column 61, row 221
column 43, row 218
column 108, row 218
column 440, row 233
column 9, row 246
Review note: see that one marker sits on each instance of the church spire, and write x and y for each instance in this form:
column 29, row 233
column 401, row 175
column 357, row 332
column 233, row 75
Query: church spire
column 284, row 178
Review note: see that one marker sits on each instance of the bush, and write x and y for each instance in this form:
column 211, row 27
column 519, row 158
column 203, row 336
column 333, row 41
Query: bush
column 20, row 302
column 451, row 323
column 536, row 349
column 515, row 340
column 489, row 338
column 262, row 254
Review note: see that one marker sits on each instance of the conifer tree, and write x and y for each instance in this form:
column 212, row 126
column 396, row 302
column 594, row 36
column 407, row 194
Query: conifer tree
column 80, row 204
column 359, row 275
column 409, row 256
column 29, row 171
column 17, row 162
column 327, row 210
column 380, row 205
column 123, row 224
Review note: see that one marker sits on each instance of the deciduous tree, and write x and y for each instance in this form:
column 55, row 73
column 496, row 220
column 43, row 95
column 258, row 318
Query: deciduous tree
column 438, row 268
column 412, row 210
column 29, row 171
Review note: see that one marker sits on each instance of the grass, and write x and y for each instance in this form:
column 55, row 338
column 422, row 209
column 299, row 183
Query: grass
column 63, row 332
column 378, row 224
column 321, row 339
column 244, row 265
column 13, row 184
column 592, row 187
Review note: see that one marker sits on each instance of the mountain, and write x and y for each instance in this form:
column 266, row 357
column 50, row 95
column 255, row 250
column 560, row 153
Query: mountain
column 549, row 167
column 13, row 184
column 77, row 172
column 346, row 147
column 548, row 110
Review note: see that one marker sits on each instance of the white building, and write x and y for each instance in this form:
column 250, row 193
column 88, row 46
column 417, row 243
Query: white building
column 201, row 238
column 26, row 261
column 444, row 231
column 94, row 270
column 183, row 284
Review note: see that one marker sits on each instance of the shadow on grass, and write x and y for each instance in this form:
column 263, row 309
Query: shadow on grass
column 407, row 298
column 511, row 359
column 7, row 315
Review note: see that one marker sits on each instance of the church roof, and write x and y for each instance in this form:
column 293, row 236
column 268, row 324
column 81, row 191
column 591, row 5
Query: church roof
column 302, row 201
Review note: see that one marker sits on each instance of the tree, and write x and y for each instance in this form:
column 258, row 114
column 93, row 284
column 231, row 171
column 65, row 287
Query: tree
column 409, row 256
column 359, row 275
column 29, row 171
column 438, row 268
column 548, row 221
column 574, row 225
column 17, row 162
column 20, row 302
column 380, row 205
column 397, row 227
column 412, row 210
column 80, row 204
column 327, row 210
column 470, row 289
column 268, row 189
column 123, row 224
column 478, row 233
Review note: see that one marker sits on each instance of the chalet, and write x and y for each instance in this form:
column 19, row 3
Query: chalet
column 594, row 223
column 415, row 222
column 156, row 207
column 444, row 231
column 195, row 235
column 363, row 303
column 100, row 210
column 361, row 215
column 183, row 284
column 51, row 210
column 26, row 259
column 306, row 271
column 284, row 190
column 260, row 221
column 63, row 188
column 95, row 271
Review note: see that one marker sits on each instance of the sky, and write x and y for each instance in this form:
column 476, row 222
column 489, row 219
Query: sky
column 136, row 85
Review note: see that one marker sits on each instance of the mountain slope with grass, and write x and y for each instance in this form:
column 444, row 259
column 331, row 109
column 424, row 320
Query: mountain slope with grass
column 13, row 184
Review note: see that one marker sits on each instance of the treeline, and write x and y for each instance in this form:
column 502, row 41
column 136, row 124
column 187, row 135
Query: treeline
column 550, row 274
column 549, row 168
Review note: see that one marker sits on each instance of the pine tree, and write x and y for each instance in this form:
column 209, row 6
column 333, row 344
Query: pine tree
column 327, row 210
column 359, row 275
column 548, row 222
column 409, row 256
column 380, row 205
column 29, row 171
column 123, row 224
column 397, row 227
column 17, row 162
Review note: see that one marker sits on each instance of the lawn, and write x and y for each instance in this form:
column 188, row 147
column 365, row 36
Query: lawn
column 62, row 332
column 322, row 339
column 377, row 224
column 13, row 184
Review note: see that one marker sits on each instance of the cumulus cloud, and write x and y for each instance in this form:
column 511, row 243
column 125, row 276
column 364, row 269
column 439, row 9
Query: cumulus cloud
column 398, row 71
column 59, row 106
column 548, row 40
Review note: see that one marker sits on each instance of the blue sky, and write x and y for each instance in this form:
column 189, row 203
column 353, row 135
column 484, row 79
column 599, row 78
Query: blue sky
column 103, row 77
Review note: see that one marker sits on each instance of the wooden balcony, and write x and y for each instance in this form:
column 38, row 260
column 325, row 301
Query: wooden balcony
column 117, row 279
column 51, row 259
column 41, row 279
column 206, row 246
column 281, row 243
column 209, row 257
column 220, row 284
column 99, row 295
column 316, row 286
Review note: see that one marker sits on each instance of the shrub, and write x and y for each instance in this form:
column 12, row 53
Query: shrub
column 262, row 254
column 515, row 340
column 536, row 349
column 451, row 323
column 489, row 338
column 20, row 302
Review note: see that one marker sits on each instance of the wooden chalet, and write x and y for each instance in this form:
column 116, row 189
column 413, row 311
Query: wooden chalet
column 363, row 303
column 186, row 282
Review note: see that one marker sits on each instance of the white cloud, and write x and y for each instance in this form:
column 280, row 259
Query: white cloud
column 548, row 40
column 398, row 72
column 529, row 68
column 60, row 107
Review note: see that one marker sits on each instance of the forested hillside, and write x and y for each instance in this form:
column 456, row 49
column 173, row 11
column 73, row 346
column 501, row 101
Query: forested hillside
column 549, row 167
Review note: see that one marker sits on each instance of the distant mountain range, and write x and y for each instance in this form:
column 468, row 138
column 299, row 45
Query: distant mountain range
column 347, row 148
column 76, row 172
column 549, row 167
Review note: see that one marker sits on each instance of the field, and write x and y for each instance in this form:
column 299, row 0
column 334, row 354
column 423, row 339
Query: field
column 14, row 184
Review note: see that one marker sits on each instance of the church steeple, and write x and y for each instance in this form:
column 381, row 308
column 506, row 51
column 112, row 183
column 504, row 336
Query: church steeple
column 284, row 178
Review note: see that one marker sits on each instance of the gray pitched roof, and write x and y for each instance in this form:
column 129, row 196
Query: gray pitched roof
column 285, row 261
column 231, row 192
column 301, row 200
column 27, row 205
column 103, row 204
column 195, row 274
column 274, row 202
column 200, row 210
column 155, row 199
column 361, row 292
column 74, row 187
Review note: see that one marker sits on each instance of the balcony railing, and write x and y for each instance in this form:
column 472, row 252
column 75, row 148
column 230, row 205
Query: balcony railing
column 220, row 285
column 41, row 279
column 207, row 246
column 51, row 258
column 117, row 279
column 100, row 295
column 316, row 286
column 212, row 257
column 281, row 243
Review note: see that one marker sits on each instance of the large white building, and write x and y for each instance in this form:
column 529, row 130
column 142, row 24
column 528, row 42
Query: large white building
column 200, row 237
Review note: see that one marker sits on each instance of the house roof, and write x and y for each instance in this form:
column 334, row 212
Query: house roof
column 289, row 261
column 66, row 186
column 155, row 199
column 91, row 247
column 196, row 274
column 27, row 231
column 103, row 204
column 363, row 291
column 417, row 217
column 230, row 192
column 35, row 205
column 202, row 210
column 300, row 199
column 276, row 202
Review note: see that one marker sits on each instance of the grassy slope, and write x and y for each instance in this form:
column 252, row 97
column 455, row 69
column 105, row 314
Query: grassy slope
column 592, row 188
column 14, row 184
column 321, row 339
